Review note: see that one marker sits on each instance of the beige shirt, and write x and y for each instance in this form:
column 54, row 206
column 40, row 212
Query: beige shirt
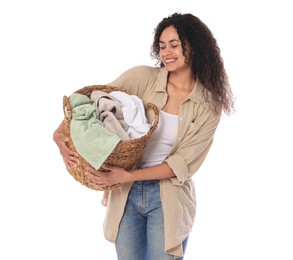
column 196, row 128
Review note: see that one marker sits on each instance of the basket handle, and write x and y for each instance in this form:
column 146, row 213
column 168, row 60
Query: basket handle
column 156, row 119
column 67, row 108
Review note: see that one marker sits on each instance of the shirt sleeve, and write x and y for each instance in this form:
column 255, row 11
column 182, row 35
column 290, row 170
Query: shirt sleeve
column 193, row 149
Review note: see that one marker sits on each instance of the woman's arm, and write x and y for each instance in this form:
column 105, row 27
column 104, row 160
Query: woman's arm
column 116, row 175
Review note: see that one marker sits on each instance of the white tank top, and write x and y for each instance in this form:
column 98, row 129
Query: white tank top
column 161, row 141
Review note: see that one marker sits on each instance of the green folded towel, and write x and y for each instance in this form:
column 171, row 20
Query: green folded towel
column 90, row 138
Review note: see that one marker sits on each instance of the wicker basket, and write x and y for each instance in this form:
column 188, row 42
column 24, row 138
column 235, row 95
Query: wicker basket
column 126, row 154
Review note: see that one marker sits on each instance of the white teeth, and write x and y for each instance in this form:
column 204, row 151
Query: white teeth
column 169, row 60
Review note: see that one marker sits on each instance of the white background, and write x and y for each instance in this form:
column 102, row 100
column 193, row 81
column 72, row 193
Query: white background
column 244, row 189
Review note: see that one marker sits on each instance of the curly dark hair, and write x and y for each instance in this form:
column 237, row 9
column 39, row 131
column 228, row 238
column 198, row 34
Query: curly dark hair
column 206, row 62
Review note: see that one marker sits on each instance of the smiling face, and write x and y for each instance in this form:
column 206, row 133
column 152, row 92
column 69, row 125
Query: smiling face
column 171, row 52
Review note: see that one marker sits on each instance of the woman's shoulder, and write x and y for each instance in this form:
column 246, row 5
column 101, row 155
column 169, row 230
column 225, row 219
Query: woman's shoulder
column 137, row 79
column 143, row 69
column 139, row 74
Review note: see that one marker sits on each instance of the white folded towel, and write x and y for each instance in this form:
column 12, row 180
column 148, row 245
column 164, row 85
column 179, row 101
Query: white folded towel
column 133, row 113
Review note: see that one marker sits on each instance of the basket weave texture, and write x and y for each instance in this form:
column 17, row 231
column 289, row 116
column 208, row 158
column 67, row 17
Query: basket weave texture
column 126, row 154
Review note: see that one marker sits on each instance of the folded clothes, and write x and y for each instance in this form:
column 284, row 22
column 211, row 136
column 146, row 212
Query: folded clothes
column 133, row 113
column 110, row 113
column 90, row 138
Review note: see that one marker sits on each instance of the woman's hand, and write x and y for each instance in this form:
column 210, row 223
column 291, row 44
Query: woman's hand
column 70, row 157
column 112, row 176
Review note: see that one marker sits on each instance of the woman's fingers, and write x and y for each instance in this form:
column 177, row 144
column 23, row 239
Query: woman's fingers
column 70, row 157
column 97, row 177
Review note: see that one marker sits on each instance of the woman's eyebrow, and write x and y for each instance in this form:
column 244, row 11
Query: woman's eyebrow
column 173, row 40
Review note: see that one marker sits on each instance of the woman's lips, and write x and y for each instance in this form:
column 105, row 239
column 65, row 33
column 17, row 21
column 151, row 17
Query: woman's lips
column 169, row 60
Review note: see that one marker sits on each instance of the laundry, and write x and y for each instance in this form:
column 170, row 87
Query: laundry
column 110, row 112
column 90, row 138
column 133, row 113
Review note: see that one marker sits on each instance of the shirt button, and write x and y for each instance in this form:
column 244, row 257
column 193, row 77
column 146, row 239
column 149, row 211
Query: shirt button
column 179, row 139
column 181, row 118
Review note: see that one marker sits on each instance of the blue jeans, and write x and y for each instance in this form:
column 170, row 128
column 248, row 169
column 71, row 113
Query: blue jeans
column 141, row 230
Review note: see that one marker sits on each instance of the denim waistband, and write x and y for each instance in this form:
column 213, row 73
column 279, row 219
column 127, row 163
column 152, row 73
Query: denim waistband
column 146, row 182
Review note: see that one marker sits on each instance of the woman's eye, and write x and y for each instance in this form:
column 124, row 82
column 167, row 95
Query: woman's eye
column 174, row 46
column 162, row 47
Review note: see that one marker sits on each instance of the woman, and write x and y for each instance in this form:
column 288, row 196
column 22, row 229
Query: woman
column 151, row 214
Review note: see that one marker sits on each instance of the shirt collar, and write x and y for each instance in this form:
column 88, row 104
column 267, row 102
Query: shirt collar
column 197, row 94
column 162, row 80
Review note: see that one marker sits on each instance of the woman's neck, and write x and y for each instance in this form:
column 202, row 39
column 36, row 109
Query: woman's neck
column 181, row 81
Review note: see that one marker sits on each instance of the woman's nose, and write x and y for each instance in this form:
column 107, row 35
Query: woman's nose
column 166, row 51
